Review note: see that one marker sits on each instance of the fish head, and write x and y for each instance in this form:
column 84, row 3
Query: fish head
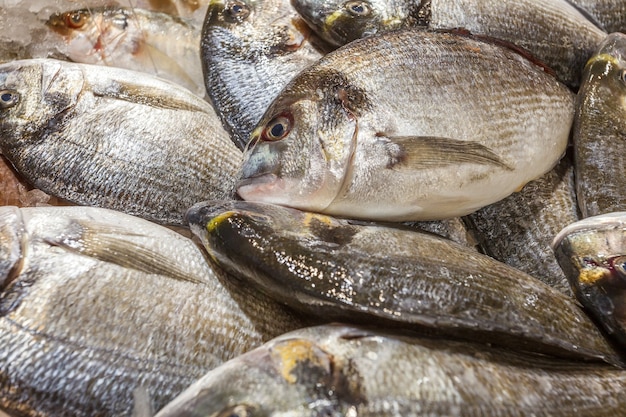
column 339, row 22
column 288, row 376
column 34, row 96
column 12, row 235
column 301, row 151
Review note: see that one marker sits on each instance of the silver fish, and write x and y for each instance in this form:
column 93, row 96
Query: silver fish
column 250, row 50
column 136, row 39
column 367, row 132
column 334, row 270
column 599, row 131
column 610, row 14
column 113, row 138
column 519, row 229
column 592, row 252
column 95, row 303
column 339, row 371
column 554, row 31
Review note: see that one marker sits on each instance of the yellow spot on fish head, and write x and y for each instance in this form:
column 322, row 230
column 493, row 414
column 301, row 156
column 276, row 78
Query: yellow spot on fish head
column 217, row 220
column 288, row 355
column 332, row 18
column 589, row 276
column 309, row 217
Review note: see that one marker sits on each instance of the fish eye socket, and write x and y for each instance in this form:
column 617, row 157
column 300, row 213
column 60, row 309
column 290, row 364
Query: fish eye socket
column 240, row 410
column 277, row 128
column 237, row 11
column 619, row 266
column 75, row 20
column 622, row 76
column 8, row 98
column 358, row 8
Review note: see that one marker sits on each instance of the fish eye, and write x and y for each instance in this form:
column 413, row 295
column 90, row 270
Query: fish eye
column 8, row 98
column 75, row 20
column 619, row 266
column 237, row 11
column 240, row 410
column 358, row 8
column 277, row 128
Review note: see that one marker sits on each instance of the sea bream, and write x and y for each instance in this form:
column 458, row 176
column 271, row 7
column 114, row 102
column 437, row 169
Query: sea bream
column 408, row 125
column 95, row 304
column 133, row 38
column 343, row 371
column 113, row 138
column 554, row 31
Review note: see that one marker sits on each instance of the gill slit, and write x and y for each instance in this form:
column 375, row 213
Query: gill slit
column 349, row 169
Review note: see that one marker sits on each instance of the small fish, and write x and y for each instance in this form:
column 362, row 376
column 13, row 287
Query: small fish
column 391, row 128
column 519, row 229
column 341, row 371
column 592, row 252
column 599, row 132
column 136, row 39
column 113, row 138
column 554, row 31
column 610, row 14
column 334, row 270
column 250, row 50
column 98, row 308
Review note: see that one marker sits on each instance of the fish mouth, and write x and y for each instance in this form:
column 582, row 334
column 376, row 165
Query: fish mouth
column 257, row 187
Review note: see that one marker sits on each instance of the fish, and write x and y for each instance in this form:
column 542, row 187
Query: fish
column 96, row 305
column 610, row 14
column 350, row 371
column 250, row 50
column 599, row 130
column 132, row 38
column 592, row 253
column 334, row 270
column 113, row 138
column 519, row 229
column 555, row 32
column 390, row 128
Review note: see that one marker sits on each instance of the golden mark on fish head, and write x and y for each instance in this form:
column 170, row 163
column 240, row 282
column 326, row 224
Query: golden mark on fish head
column 590, row 276
column 310, row 217
column 331, row 19
column 289, row 354
column 217, row 220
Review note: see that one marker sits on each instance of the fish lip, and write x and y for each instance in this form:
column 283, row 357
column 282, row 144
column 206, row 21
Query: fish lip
column 601, row 222
column 248, row 187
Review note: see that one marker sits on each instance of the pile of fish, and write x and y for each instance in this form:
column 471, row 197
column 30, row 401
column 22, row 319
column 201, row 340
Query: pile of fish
column 296, row 207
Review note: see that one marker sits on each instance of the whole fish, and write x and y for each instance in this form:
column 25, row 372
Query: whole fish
column 250, row 50
column 113, row 138
column 390, row 127
column 136, row 39
column 95, row 304
column 592, row 252
column 519, row 229
column 554, row 31
column 599, row 131
column 345, row 371
column 331, row 269
column 610, row 14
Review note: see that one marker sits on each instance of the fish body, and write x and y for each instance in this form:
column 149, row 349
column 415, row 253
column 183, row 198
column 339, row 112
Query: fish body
column 592, row 253
column 250, row 50
column 553, row 31
column 113, row 138
column 136, row 39
column 599, row 131
column 367, row 132
column 333, row 270
column 346, row 371
column 95, row 304
column 519, row 229
column 610, row 14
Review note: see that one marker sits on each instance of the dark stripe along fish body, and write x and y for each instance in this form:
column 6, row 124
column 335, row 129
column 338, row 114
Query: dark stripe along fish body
column 408, row 125
column 332, row 269
column 95, row 304
column 113, row 138
column 599, row 131
column 345, row 371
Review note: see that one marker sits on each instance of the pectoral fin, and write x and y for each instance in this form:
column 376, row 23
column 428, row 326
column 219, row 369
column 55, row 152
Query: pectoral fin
column 431, row 152
column 107, row 244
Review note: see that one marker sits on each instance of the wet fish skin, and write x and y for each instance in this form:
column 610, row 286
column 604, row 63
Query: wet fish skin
column 334, row 270
column 114, row 138
column 344, row 129
column 132, row 38
column 555, row 31
column 592, row 253
column 98, row 303
column 347, row 371
column 599, row 130
column 610, row 14
column 519, row 229
column 249, row 55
